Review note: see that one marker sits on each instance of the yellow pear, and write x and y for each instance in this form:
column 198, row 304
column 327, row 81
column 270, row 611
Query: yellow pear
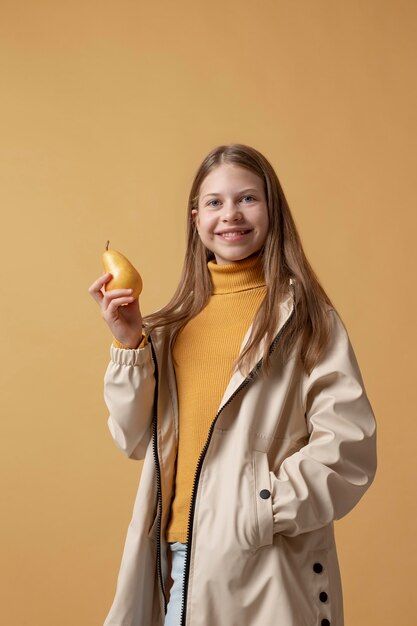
column 124, row 275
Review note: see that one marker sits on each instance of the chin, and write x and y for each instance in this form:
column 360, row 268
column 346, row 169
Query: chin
column 233, row 258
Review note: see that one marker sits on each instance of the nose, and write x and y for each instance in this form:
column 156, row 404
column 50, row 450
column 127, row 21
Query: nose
column 231, row 213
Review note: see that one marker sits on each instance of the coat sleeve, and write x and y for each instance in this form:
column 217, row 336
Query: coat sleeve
column 325, row 479
column 129, row 385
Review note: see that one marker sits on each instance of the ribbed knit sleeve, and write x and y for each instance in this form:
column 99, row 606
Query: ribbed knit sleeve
column 141, row 344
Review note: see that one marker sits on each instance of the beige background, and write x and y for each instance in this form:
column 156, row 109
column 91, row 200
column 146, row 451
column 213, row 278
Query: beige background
column 107, row 109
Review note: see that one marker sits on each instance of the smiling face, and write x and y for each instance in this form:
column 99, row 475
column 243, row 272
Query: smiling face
column 232, row 216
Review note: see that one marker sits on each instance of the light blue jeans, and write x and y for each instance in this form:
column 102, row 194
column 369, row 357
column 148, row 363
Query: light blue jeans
column 173, row 615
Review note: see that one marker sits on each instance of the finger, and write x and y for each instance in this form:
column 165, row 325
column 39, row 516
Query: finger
column 115, row 303
column 95, row 288
column 112, row 294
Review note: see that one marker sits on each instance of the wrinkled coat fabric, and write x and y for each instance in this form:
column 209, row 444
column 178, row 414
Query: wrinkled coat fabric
column 308, row 440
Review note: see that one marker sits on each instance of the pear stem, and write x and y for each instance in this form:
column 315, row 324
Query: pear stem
column 107, row 245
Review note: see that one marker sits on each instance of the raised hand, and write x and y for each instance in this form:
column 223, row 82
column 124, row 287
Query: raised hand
column 120, row 310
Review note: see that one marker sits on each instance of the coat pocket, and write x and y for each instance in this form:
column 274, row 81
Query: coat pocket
column 263, row 499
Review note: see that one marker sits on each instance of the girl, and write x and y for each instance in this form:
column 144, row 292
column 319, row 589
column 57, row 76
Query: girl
column 244, row 397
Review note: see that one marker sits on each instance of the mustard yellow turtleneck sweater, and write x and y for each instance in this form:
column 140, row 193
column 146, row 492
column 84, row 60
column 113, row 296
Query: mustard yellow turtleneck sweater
column 203, row 355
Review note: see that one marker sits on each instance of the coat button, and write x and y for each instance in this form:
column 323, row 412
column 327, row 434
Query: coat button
column 323, row 596
column 325, row 622
column 265, row 494
column 318, row 568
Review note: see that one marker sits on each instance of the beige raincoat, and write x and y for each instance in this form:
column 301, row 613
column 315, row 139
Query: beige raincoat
column 284, row 457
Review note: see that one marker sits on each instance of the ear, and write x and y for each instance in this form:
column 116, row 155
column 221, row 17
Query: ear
column 194, row 217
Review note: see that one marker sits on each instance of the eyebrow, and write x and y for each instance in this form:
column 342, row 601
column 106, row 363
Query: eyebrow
column 238, row 193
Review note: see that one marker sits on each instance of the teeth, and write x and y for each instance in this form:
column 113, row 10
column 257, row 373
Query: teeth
column 234, row 234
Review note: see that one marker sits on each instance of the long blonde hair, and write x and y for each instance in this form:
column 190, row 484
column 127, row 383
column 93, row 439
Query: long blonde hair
column 283, row 258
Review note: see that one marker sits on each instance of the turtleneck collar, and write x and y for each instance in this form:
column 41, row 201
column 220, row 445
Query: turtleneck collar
column 237, row 276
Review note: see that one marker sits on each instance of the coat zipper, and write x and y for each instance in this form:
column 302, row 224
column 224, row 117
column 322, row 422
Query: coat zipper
column 203, row 453
column 158, row 478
